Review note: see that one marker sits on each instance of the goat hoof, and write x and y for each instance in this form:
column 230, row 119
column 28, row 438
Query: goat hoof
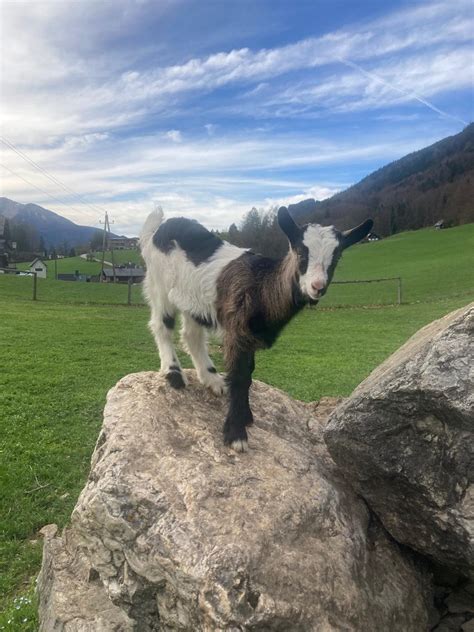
column 240, row 445
column 215, row 382
column 175, row 379
column 236, row 438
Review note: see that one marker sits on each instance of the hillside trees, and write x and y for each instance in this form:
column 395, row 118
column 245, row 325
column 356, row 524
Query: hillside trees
column 26, row 236
column 259, row 231
column 97, row 241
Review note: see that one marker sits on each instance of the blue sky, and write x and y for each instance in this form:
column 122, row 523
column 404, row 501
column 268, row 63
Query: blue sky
column 210, row 108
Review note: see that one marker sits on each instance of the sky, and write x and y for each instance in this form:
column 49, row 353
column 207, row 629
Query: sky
column 211, row 107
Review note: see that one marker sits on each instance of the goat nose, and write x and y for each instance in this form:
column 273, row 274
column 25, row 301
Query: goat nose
column 317, row 285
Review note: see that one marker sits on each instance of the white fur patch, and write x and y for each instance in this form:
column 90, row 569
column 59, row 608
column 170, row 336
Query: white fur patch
column 215, row 382
column 173, row 283
column 177, row 283
column 240, row 445
column 321, row 242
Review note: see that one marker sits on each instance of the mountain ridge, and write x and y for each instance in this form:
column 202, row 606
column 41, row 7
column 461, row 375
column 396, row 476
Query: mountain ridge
column 436, row 182
column 53, row 228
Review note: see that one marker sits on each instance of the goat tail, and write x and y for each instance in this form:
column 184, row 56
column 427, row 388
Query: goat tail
column 151, row 225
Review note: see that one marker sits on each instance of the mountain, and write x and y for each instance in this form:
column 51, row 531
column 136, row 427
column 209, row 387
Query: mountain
column 54, row 229
column 416, row 191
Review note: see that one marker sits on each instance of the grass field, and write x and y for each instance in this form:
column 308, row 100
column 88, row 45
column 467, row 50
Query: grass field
column 60, row 358
column 432, row 264
column 122, row 256
column 68, row 265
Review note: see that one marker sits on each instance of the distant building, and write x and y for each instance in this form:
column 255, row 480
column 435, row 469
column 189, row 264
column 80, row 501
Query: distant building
column 122, row 243
column 77, row 276
column 123, row 275
column 39, row 266
column 373, row 237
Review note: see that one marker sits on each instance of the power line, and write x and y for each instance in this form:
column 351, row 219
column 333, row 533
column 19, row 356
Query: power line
column 53, row 197
column 50, row 176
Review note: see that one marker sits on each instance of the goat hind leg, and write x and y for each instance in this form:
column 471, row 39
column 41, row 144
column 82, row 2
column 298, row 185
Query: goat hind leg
column 162, row 324
column 194, row 338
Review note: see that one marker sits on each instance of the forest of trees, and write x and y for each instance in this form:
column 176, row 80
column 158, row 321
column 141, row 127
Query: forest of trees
column 414, row 192
column 259, row 231
column 30, row 243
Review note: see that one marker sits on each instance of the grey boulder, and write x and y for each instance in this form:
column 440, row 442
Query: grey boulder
column 405, row 439
column 182, row 533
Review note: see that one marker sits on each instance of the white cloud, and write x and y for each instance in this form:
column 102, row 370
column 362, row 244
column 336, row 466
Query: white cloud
column 216, row 190
column 78, row 103
column 174, row 135
column 391, row 82
column 60, row 90
column 210, row 128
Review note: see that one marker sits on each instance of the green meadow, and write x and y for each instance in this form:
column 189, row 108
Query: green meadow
column 61, row 354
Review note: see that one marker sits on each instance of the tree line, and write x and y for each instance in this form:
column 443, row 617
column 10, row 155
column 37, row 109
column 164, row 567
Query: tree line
column 259, row 231
column 24, row 241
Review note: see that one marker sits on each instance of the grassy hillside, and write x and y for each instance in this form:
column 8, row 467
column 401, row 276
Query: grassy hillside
column 60, row 355
column 417, row 190
column 49, row 290
column 432, row 264
column 68, row 265
column 122, row 256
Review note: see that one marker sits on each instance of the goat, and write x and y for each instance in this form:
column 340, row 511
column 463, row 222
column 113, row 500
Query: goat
column 247, row 297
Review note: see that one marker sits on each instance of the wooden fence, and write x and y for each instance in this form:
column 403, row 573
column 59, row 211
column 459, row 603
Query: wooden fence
column 398, row 279
column 11, row 271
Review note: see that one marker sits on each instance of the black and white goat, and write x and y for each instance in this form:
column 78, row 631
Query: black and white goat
column 249, row 298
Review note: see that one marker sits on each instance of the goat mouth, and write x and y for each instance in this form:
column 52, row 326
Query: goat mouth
column 316, row 296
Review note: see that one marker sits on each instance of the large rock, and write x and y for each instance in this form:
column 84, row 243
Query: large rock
column 405, row 438
column 72, row 598
column 182, row 533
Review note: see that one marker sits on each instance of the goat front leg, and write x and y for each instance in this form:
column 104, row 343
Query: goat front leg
column 239, row 416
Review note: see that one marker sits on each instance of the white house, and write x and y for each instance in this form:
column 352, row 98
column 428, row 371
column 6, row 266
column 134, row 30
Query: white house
column 39, row 266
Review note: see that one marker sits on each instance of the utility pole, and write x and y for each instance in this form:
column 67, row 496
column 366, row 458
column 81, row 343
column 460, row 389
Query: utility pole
column 106, row 223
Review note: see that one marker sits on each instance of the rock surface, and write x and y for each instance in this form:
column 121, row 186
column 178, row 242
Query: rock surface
column 71, row 597
column 405, row 439
column 182, row 533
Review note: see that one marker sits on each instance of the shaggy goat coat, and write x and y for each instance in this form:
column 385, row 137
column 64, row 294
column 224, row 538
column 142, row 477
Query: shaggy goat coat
column 248, row 298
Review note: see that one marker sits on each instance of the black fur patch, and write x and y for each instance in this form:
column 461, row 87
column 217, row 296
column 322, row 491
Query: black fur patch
column 197, row 242
column 175, row 378
column 335, row 258
column 303, row 256
column 239, row 415
column 204, row 321
column 267, row 332
column 168, row 321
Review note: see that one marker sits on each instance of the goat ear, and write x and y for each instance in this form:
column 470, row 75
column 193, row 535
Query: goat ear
column 354, row 235
column 288, row 225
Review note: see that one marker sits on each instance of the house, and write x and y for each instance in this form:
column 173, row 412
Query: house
column 373, row 237
column 39, row 266
column 77, row 276
column 123, row 275
column 122, row 243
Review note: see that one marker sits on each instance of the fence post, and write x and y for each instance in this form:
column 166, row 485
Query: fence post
column 34, row 285
column 129, row 299
column 399, row 290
